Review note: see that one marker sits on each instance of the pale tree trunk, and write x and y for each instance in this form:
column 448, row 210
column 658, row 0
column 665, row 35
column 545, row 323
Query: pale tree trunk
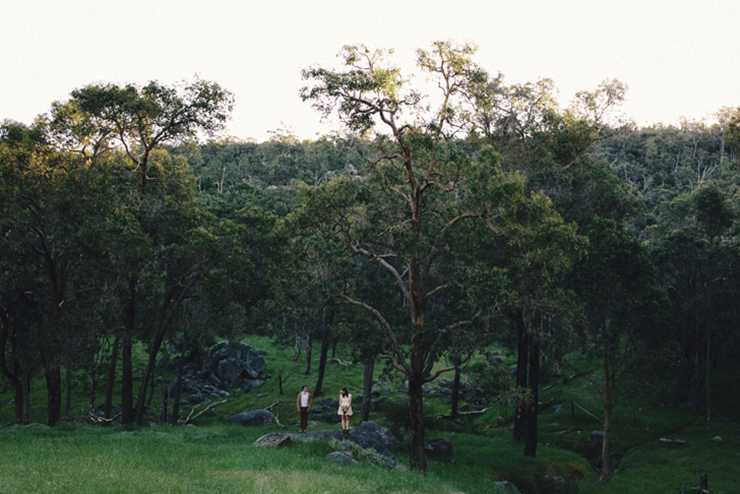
column 296, row 345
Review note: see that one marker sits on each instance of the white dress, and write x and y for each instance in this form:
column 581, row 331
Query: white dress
column 345, row 401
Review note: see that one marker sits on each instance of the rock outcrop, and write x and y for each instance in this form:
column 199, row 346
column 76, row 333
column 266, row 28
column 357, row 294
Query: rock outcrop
column 252, row 418
column 373, row 443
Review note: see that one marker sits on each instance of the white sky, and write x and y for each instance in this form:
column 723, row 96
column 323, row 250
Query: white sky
column 678, row 57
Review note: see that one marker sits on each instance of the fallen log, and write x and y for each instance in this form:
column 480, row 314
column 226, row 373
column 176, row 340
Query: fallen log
column 193, row 417
column 474, row 412
column 587, row 412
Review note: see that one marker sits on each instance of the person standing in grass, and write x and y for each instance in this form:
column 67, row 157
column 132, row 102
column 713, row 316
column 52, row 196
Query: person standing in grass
column 345, row 409
column 304, row 406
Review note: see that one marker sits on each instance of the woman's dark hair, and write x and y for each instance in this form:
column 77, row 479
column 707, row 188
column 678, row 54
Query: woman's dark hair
column 344, row 392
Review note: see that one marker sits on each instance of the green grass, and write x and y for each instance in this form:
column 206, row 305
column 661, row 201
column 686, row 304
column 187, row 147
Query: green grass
column 659, row 467
column 215, row 458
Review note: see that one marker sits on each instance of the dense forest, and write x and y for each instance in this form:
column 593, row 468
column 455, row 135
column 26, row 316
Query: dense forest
column 421, row 235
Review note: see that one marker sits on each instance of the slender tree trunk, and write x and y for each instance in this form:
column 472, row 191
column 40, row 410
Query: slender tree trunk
column 94, row 371
column 171, row 302
column 127, row 379
column 149, row 372
column 520, row 417
column 20, row 376
column 16, row 378
column 322, row 359
column 707, row 375
column 52, row 370
column 309, row 353
column 417, row 456
column 455, row 393
column 708, row 356
column 152, row 386
column 530, row 441
column 49, row 339
column 367, row 387
column 111, row 377
column 68, row 400
column 26, row 391
column 178, row 382
column 127, row 370
column 13, row 375
column 53, row 375
column 176, row 393
column 24, row 374
column 18, row 398
column 163, row 418
column 17, row 392
column 698, row 381
column 606, row 473
column 296, row 345
column 141, row 399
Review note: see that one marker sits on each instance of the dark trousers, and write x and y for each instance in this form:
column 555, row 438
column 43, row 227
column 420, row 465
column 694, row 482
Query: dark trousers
column 304, row 418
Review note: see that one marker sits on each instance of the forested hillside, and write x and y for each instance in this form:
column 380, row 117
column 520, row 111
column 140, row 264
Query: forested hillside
column 419, row 237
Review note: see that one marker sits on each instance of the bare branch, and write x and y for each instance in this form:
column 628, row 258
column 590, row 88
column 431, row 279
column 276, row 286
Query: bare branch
column 436, row 290
column 438, row 373
column 394, row 272
column 461, row 217
column 395, row 346
column 395, row 363
column 193, row 417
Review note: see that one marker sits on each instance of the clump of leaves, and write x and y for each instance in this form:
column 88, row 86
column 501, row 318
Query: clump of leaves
column 492, row 376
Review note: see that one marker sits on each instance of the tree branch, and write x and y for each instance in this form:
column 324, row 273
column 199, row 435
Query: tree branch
column 394, row 272
column 438, row 373
column 395, row 346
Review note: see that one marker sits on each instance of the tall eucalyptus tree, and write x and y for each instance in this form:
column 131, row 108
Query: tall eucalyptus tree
column 419, row 190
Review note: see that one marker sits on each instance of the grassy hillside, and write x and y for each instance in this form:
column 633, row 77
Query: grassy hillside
column 74, row 457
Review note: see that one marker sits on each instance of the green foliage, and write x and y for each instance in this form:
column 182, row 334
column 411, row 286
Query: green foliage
column 110, row 204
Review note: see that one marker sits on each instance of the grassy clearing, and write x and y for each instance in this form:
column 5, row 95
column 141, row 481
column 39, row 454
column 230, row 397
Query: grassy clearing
column 184, row 459
column 215, row 458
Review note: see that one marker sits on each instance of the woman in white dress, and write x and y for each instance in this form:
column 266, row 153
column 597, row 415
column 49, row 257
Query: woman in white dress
column 345, row 409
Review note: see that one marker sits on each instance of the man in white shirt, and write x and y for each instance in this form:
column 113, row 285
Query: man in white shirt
column 304, row 405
